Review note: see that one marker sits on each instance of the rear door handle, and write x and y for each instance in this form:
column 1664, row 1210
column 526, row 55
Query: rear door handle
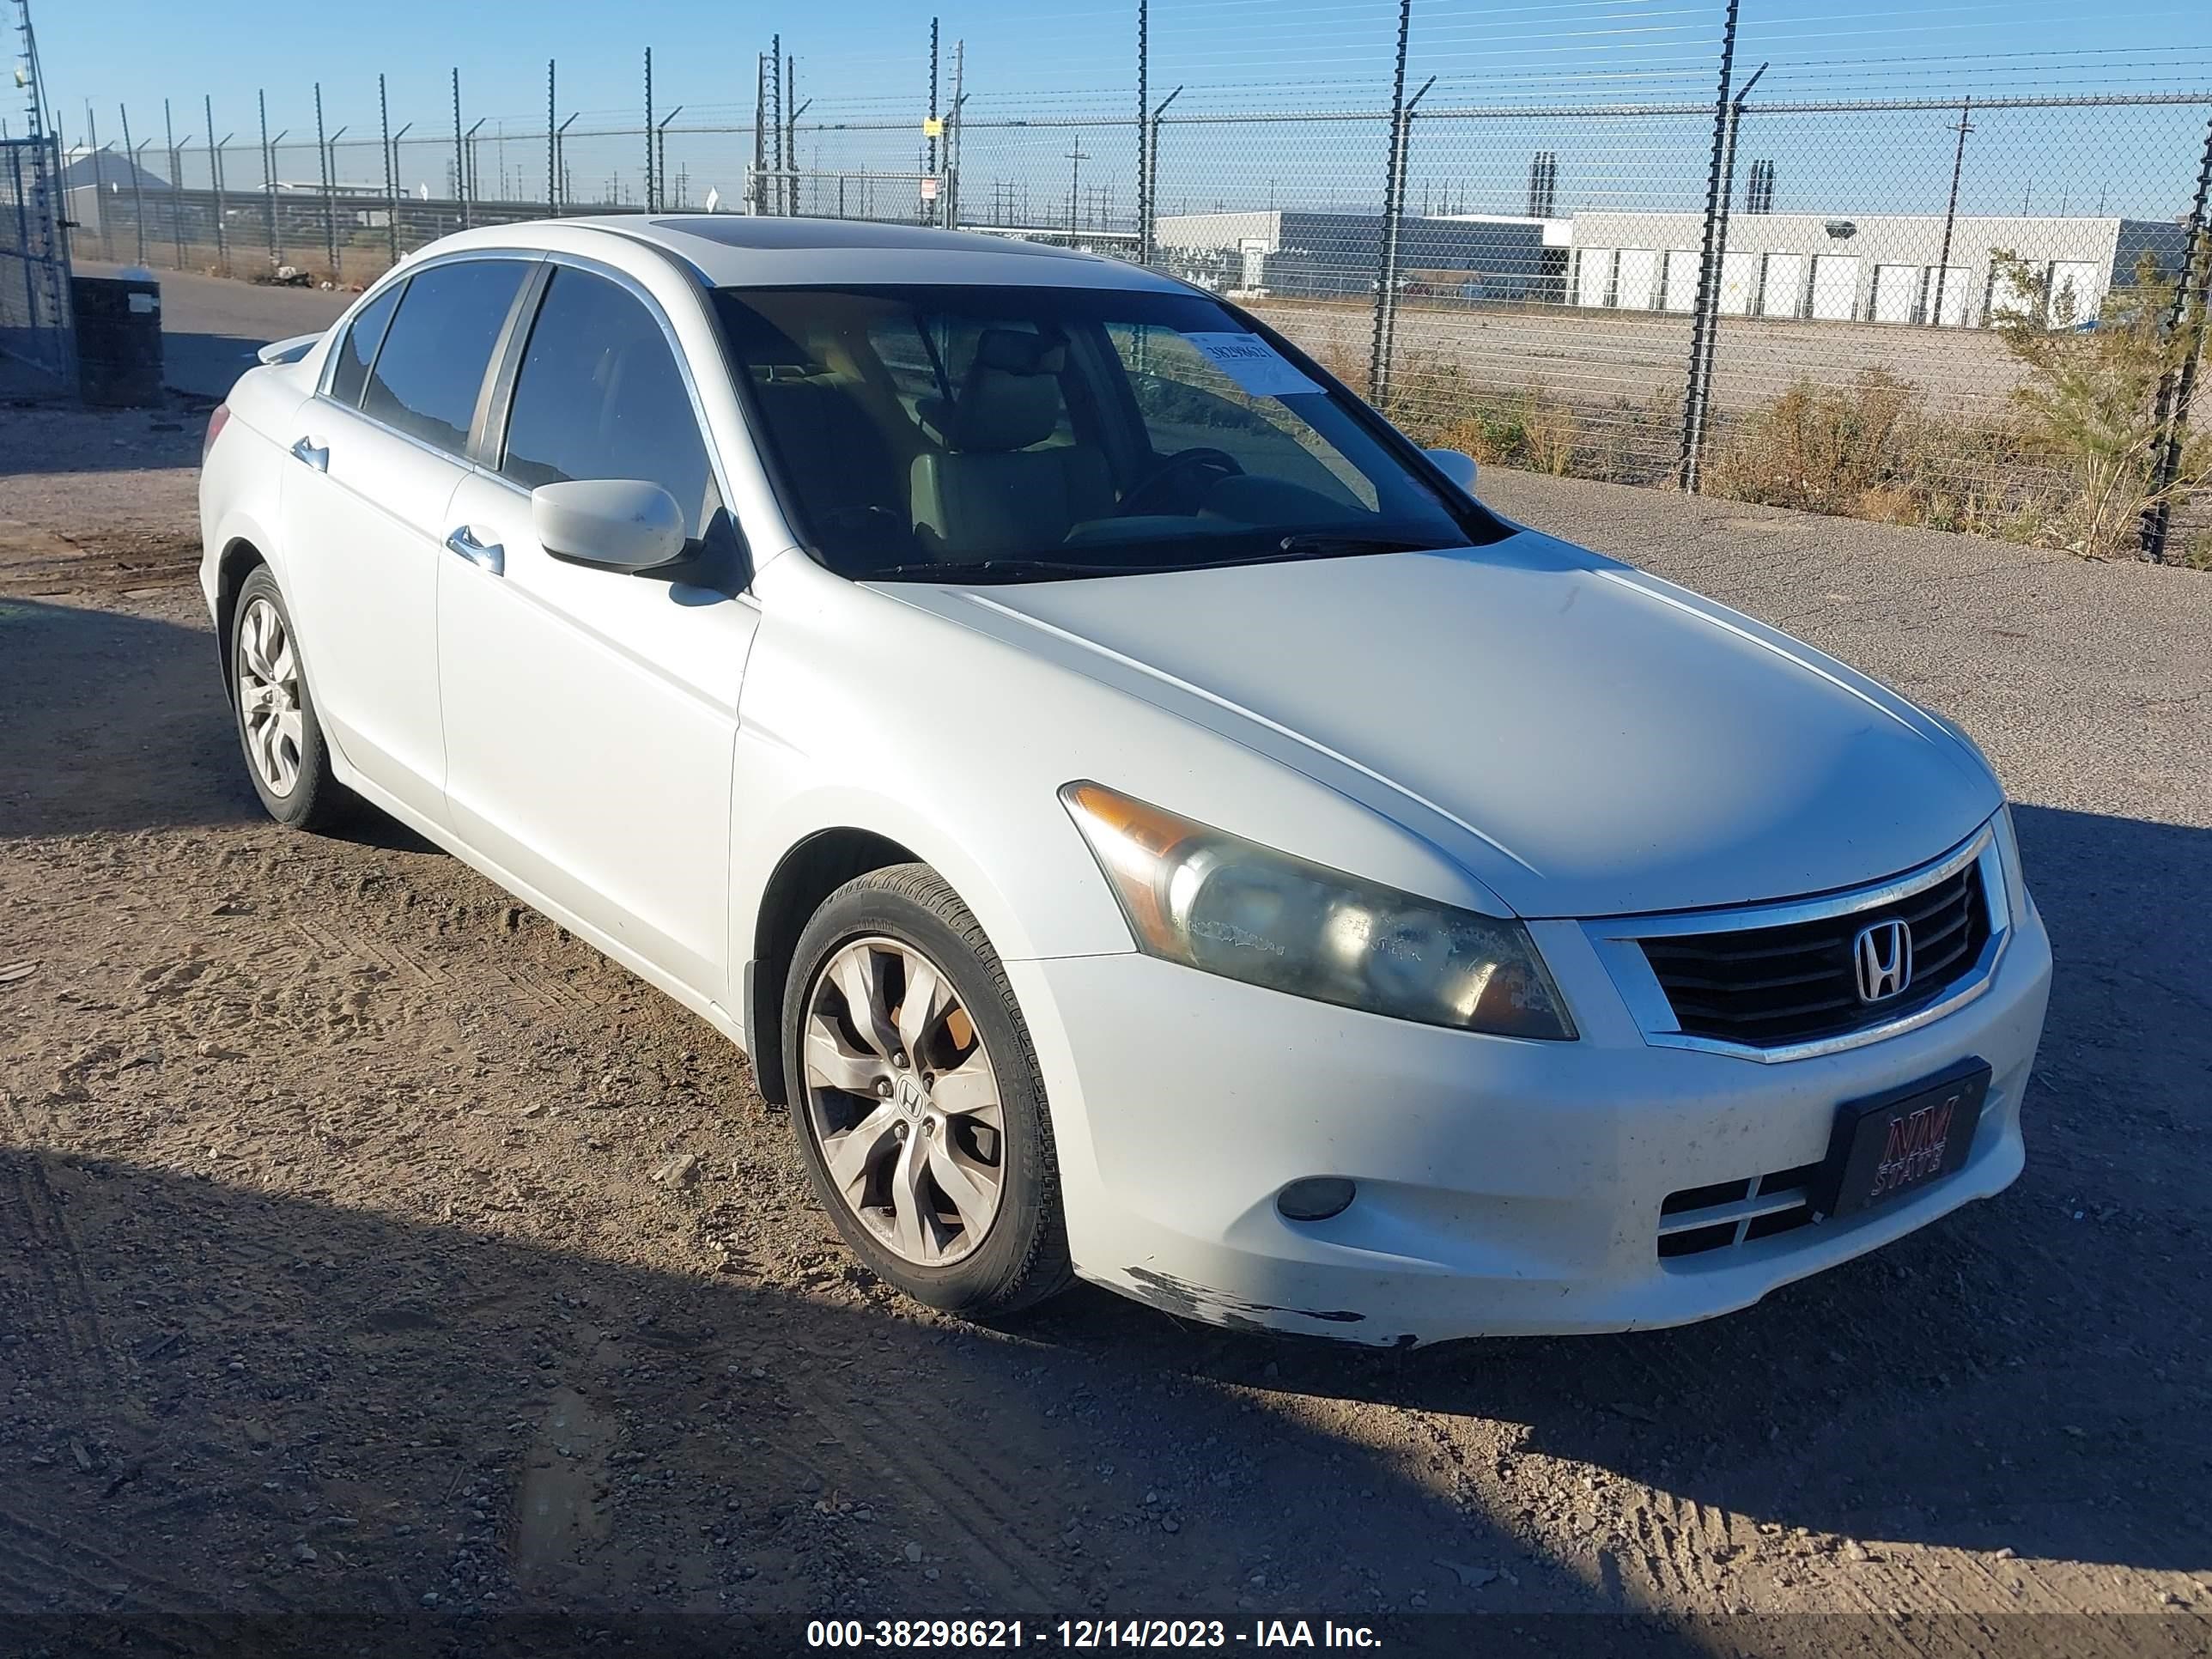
column 485, row 555
column 314, row 454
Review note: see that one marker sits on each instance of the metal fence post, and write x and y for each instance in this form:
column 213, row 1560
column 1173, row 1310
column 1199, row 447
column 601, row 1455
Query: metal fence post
column 552, row 146
column 1951, row 213
column 460, row 154
column 215, row 179
column 1709, row 268
column 1151, row 142
column 268, row 172
column 323, row 168
column 99, row 184
column 2191, row 290
column 1144, row 161
column 1378, row 359
column 137, row 176
column 390, row 188
column 176, row 185
column 652, row 195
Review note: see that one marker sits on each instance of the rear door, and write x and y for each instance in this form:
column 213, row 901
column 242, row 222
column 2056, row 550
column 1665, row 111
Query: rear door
column 376, row 461
column 591, row 714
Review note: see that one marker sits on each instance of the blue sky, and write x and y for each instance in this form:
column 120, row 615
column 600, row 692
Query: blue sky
column 864, row 61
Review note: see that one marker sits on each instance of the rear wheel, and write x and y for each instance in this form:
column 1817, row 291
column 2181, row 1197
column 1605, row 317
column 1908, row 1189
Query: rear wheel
column 286, row 755
column 915, row 1096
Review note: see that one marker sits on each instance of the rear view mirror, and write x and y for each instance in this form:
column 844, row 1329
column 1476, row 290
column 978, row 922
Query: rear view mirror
column 618, row 524
column 1456, row 465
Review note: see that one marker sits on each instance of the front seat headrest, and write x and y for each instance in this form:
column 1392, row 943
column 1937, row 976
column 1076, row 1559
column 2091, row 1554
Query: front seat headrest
column 1010, row 399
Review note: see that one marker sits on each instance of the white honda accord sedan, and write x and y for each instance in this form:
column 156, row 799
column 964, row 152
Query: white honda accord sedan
column 1146, row 819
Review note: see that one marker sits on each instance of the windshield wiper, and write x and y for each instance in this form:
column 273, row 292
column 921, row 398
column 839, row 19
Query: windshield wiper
column 1001, row 569
column 1345, row 544
column 1299, row 544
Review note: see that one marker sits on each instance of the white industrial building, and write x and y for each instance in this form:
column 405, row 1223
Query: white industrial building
column 1874, row 267
column 1880, row 267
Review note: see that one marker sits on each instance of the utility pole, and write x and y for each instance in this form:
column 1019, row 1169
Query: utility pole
column 1075, row 158
column 1951, row 211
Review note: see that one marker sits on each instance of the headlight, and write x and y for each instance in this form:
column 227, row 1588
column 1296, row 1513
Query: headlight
column 1211, row 901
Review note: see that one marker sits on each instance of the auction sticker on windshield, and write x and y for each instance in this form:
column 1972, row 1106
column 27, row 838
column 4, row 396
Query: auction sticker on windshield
column 1254, row 364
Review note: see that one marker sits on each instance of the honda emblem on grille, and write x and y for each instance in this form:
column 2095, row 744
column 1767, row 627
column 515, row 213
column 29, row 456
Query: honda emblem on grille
column 1883, row 954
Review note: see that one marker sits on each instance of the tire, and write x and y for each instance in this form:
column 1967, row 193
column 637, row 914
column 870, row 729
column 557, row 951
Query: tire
column 875, row 1128
column 288, row 759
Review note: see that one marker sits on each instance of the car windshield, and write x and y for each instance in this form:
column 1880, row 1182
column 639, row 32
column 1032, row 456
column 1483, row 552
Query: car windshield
column 1025, row 433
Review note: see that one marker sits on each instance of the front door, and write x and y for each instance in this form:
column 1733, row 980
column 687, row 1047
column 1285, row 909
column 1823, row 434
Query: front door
column 591, row 714
column 364, row 506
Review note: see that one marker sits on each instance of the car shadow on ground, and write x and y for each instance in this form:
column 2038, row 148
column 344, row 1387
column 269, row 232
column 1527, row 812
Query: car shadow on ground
column 2026, row 1374
column 68, row 678
column 227, row 1404
column 68, row 672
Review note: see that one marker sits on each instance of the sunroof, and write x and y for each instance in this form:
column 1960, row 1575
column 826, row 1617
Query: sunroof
column 745, row 230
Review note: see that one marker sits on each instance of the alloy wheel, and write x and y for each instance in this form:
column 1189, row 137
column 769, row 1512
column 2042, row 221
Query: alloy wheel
column 903, row 1102
column 268, row 696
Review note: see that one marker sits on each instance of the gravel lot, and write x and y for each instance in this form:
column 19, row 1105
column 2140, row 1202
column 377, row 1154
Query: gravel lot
column 336, row 1276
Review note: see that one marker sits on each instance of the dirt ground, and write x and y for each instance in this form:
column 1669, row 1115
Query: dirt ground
column 345, row 1275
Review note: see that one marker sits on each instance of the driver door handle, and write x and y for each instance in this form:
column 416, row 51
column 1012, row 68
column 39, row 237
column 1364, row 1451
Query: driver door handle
column 314, row 454
column 485, row 555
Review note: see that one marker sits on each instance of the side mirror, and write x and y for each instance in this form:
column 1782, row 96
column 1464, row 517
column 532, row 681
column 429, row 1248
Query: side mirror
column 618, row 524
column 1456, row 467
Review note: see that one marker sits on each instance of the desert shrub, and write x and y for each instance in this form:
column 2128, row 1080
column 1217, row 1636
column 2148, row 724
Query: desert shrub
column 2090, row 401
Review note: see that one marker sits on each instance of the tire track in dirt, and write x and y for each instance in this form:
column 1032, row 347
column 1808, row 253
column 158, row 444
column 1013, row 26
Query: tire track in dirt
column 42, row 1255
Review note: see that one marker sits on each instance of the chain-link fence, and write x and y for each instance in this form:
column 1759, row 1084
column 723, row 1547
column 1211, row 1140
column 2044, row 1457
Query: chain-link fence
column 36, row 328
column 1946, row 311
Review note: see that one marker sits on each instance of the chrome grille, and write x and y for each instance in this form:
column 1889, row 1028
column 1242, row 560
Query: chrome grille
column 1793, row 983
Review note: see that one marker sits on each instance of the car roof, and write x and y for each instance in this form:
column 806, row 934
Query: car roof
column 728, row 250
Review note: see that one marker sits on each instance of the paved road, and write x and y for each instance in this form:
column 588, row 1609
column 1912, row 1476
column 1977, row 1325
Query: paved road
column 212, row 326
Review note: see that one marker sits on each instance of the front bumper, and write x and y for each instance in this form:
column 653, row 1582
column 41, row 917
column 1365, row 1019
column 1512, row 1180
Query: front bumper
column 1505, row 1187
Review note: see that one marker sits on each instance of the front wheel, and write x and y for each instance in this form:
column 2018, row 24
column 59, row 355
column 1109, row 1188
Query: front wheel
column 915, row 1096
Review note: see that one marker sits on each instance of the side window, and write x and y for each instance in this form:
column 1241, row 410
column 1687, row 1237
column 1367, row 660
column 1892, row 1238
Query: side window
column 358, row 350
column 600, row 396
column 432, row 367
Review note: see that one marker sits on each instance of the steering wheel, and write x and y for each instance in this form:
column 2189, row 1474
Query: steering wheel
column 1197, row 462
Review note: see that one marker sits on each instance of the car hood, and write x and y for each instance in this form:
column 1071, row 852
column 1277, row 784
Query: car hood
column 1585, row 739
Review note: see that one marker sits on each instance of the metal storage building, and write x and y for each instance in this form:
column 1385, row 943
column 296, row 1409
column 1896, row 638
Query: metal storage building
column 1296, row 254
column 1882, row 267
